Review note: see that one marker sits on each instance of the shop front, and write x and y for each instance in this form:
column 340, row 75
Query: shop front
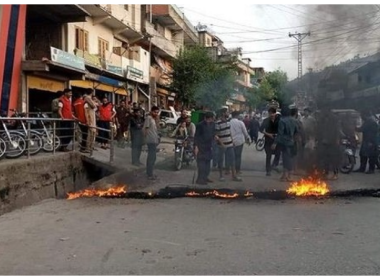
column 113, row 89
column 43, row 79
column 41, row 91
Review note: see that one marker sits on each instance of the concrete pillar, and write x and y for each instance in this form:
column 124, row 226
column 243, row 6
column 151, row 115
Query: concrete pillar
column 12, row 33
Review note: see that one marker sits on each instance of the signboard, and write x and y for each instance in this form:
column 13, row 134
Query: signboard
column 90, row 59
column 66, row 58
column 105, row 80
column 115, row 69
column 134, row 73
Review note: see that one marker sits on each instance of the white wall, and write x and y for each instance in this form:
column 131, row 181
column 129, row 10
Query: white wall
column 94, row 32
column 143, row 64
column 131, row 17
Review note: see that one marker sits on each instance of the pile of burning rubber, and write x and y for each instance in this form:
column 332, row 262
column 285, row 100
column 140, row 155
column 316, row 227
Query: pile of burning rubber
column 309, row 187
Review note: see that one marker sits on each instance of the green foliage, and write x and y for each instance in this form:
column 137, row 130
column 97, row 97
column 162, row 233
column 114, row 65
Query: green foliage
column 273, row 86
column 199, row 81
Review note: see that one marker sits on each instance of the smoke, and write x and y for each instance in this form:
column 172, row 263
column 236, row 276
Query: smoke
column 339, row 32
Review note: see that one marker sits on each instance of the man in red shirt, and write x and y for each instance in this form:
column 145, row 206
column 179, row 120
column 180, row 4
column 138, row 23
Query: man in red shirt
column 65, row 112
column 107, row 113
column 83, row 126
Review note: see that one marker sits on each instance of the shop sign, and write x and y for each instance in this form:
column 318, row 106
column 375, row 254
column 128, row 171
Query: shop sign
column 66, row 58
column 134, row 73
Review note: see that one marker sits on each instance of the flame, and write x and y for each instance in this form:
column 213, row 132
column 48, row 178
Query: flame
column 309, row 187
column 216, row 194
column 114, row 191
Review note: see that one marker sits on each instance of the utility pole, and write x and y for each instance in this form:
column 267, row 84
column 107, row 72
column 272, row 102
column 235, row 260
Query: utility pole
column 299, row 37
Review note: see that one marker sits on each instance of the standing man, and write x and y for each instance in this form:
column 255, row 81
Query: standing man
column 269, row 128
column 137, row 137
column 240, row 136
column 203, row 141
column 287, row 130
column 55, row 105
column 106, row 114
column 152, row 141
column 66, row 113
column 328, row 135
column 122, row 121
column 90, row 107
column 82, row 122
column 368, row 149
column 226, row 146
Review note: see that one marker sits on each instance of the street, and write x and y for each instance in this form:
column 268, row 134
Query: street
column 197, row 236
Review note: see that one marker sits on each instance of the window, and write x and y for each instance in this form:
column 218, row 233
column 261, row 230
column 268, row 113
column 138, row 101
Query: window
column 81, row 39
column 126, row 7
column 103, row 46
column 208, row 42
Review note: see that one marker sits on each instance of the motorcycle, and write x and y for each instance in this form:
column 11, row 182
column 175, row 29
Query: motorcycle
column 183, row 153
column 349, row 158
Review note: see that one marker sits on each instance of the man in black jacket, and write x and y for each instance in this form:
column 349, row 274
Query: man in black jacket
column 203, row 139
column 269, row 128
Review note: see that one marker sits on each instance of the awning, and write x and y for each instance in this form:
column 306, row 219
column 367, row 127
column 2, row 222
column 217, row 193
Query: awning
column 96, row 85
column 44, row 84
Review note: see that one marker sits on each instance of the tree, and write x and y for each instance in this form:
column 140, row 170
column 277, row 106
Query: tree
column 198, row 80
column 275, row 83
column 217, row 86
column 273, row 86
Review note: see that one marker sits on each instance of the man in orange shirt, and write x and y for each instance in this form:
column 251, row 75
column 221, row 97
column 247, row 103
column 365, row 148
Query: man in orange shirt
column 66, row 113
column 107, row 113
column 83, row 126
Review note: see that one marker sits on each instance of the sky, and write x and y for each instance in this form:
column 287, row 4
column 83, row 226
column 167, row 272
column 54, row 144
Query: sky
column 262, row 31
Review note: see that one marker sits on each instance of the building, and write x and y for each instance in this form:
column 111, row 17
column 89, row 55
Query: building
column 244, row 73
column 97, row 49
column 12, row 32
column 169, row 31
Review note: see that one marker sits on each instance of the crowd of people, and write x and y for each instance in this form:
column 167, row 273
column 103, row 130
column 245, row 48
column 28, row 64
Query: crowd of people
column 308, row 142
column 99, row 118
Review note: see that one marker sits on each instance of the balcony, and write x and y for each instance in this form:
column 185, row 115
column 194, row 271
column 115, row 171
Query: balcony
column 173, row 18
column 102, row 14
column 56, row 13
column 164, row 47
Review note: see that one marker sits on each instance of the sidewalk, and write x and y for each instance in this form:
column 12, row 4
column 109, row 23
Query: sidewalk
column 123, row 156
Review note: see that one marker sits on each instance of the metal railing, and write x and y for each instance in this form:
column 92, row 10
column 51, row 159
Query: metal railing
column 29, row 136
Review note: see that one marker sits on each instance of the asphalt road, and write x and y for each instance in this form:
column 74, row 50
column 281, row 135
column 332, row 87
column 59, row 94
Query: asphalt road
column 197, row 236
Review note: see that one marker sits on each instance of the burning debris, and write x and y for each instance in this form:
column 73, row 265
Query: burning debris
column 304, row 188
column 111, row 192
column 311, row 186
column 217, row 194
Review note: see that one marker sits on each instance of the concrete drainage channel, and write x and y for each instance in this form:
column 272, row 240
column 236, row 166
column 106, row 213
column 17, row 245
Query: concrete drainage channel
column 27, row 181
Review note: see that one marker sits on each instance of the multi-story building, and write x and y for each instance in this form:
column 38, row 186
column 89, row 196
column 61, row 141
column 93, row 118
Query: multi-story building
column 97, row 49
column 169, row 30
column 104, row 47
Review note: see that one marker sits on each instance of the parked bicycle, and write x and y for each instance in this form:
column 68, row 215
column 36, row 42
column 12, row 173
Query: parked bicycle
column 15, row 143
column 34, row 139
column 47, row 134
